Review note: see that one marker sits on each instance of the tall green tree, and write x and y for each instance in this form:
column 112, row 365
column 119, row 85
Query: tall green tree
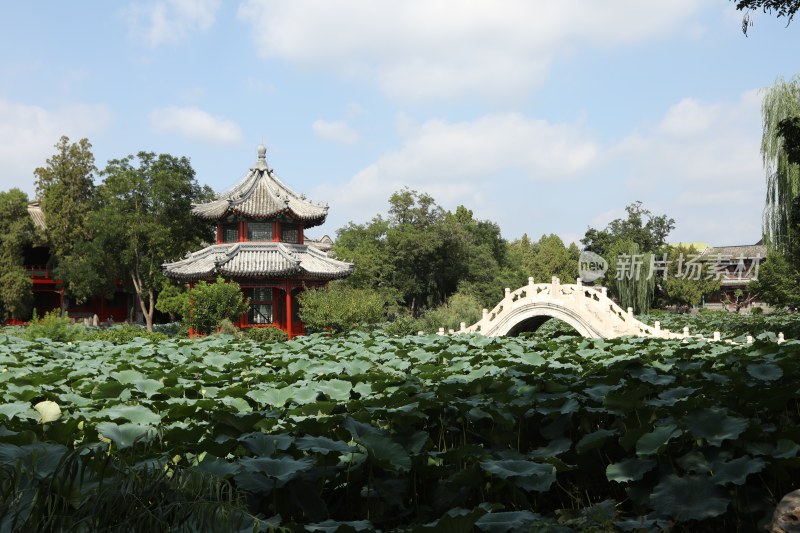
column 143, row 219
column 682, row 289
column 421, row 254
column 16, row 231
column 65, row 188
column 642, row 227
column 781, row 104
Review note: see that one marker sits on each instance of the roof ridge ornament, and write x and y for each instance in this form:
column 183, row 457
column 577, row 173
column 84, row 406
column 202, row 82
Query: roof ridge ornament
column 261, row 164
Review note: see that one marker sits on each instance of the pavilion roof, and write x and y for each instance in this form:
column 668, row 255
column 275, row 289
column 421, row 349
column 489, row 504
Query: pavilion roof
column 261, row 195
column 258, row 260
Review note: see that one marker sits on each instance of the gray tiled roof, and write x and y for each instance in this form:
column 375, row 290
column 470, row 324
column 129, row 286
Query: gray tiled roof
column 258, row 259
column 36, row 213
column 746, row 251
column 260, row 194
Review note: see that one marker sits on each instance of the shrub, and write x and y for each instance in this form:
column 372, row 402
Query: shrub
column 172, row 329
column 123, row 333
column 341, row 308
column 207, row 304
column 459, row 308
column 266, row 334
column 55, row 327
column 403, row 325
column 226, row 327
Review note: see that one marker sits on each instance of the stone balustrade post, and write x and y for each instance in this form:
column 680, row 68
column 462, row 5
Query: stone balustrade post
column 485, row 314
column 630, row 312
column 749, row 339
column 686, row 331
column 507, row 292
column 658, row 326
column 604, row 291
column 780, row 337
column 441, row 331
column 463, row 326
column 716, row 335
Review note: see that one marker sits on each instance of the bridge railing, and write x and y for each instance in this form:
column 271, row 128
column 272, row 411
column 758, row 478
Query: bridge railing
column 605, row 314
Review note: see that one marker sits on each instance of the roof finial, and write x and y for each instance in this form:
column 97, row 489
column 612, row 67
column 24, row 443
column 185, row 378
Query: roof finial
column 261, row 164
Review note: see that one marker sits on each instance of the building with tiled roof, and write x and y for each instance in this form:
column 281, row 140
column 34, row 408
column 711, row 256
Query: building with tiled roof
column 735, row 267
column 261, row 245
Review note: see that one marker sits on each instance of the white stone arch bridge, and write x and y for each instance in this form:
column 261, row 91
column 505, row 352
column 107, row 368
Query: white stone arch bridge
column 587, row 309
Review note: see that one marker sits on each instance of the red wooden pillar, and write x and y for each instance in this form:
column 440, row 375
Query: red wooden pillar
column 219, row 233
column 289, row 309
column 191, row 303
column 242, row 231
column 301, row 238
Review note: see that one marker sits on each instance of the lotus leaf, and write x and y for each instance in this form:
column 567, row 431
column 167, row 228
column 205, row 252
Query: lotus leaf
column 715, row 425
column 688, row 498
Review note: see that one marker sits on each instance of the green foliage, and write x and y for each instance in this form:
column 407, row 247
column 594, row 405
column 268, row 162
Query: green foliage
column 226, row 327
column 778, row 282
column 266, row 334
column 171, row 300
column 16, row 294
column 55, row 327
column 123, row 333
column 340, row 307
column 781, row 102
column 459, row 308
column 684, row 291
column 143, row 219
column 65, row 188
column 367, row 431
column 16, row 231
column 422, row 254
column 208, row 304
column 641, row 227
column 782, row 8
column 53, row 488
column 630, row 277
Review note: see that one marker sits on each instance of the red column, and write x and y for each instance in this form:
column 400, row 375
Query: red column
column 219, row 233
column 288, row 310
column 276, row 232
column 242, row 231
column 301, row 238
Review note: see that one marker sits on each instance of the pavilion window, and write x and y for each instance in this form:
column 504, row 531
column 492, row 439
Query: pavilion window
column 230, row 232
column 290, row 233
column 260, row 305
column 259, row 231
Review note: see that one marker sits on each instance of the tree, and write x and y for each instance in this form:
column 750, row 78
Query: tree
column 65, row 187
column 781, row 104
column 171, row 300
column 340, row 307
column 552, row 258
column 144, row 219
column 648, row 231
column 684, row 291
column 778, row 282
column 630, row 277
column 422, row 254
column 782, row 8
column 208, row 304
column 16, row 231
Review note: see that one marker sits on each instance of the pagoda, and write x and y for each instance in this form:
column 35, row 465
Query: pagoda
column 261, row 245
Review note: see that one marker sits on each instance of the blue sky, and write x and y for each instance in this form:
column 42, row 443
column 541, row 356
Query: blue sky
column 545, row 116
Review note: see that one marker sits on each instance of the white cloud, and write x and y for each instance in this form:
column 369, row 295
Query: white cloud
column 467, row 162
column 28, row 134
column 170, row 21
column 194, row 123
column 337, row 131
column 702, row 163
column 442, row 48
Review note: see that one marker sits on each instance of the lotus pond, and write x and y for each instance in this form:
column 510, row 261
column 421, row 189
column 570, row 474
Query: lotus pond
column 369, row 432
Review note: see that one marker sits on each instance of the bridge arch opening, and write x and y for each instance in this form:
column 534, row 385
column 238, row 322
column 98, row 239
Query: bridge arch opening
column 543, row 326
